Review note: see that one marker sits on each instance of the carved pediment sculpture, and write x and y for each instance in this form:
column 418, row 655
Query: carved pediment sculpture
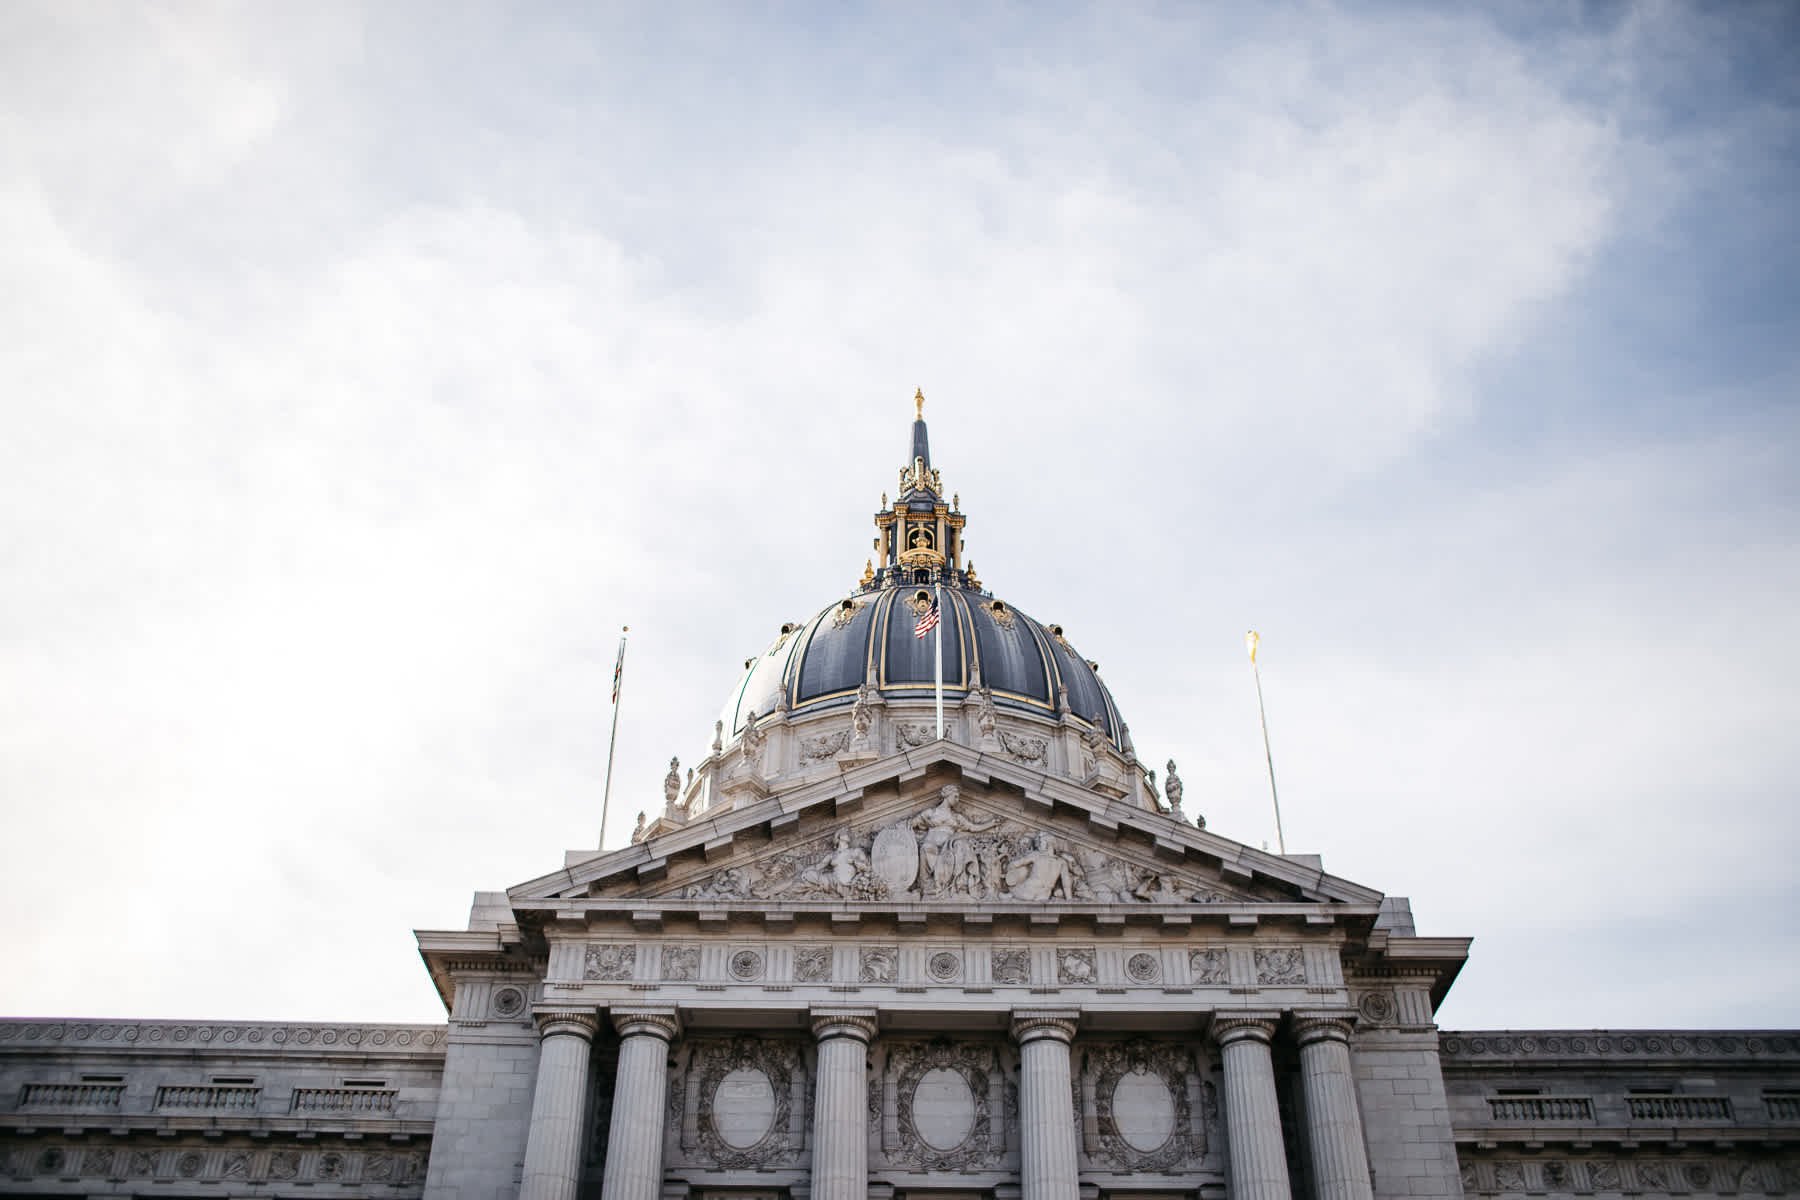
column 950, row 852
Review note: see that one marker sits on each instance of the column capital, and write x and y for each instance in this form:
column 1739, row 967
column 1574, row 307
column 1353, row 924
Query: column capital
column 661, row 1023
column 583, row 1023
column 1244, row 1027
column 1310, row 1027
column 858, row 1023
column 1031, row 1024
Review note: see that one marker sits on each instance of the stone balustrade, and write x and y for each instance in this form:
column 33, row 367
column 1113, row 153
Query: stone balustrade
column 1532, row 1109
column 85, row 1096
column 353, row 1101
column 215, row 1097
column 1679, row 1108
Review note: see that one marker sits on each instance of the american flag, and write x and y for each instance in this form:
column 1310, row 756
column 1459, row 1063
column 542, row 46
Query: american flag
column 928, row 620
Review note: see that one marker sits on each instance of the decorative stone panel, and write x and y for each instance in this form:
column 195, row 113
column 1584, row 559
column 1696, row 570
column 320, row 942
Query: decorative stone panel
column 1144, row 1106
column 746, row 1097
column 948, row 1106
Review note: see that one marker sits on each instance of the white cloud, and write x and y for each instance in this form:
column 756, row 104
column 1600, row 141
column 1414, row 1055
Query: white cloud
column 343, row 431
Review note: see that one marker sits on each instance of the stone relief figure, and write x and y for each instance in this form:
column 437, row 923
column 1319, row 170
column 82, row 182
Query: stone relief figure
column 1172, row 788
column 1105, row 878
column 1093, row 744
column 908, row 735
column 984, row 713
column 1025, row 749
column 1280, row 966
column 1150, row 782
column 637, row 835
column 751, row 744
column 1153, row 888
column 948, row 853
column 825, row 745
column 1076, row 966
column 730, row 884
column 1011, row 966
column 941, row 852
column 609, row 961
column 862, row 717
column 1040, row 871
column 672, row 782
column 879, row 964
column 838, row 870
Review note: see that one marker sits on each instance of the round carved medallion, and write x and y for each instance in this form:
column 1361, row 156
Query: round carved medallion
column 944, row 966
column 1143, row 1110
column 746, row 964
column 743, row 1108
column 894, row 858
column 508, row 1002
column 1377, row 1007
column 943, row 1109
column 1143, row 968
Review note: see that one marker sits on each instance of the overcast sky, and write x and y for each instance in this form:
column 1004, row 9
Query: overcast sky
column 364, row 369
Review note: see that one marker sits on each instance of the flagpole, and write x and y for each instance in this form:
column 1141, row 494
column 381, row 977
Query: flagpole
column 938, row 604
column 618, row 686
column 1253, row 641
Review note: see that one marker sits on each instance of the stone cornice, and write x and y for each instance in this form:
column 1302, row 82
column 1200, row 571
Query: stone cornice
column 1501, row 1047
column 223, row 1037
column 1316, row 920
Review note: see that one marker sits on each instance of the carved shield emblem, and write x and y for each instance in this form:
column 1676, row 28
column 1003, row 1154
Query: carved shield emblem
column 895, row 858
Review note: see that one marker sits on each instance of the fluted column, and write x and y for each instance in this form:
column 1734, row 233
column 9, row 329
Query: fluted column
column 1333, row 1124
column 1252, row 1117
column 559, row 1105
column 634, row 1140
column 840, row 1161
column 1047, row 1169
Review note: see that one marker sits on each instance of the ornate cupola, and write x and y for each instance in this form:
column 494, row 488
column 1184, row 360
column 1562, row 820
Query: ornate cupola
column 854, row 680
column 918, row 538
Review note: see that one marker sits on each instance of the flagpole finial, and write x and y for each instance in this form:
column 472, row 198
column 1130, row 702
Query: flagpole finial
column 919, row 404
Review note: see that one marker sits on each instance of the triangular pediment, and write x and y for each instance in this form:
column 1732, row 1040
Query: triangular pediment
column 942, row 825
column 952, row 843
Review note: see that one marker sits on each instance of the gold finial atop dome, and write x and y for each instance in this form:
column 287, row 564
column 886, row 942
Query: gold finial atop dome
column 919, row 404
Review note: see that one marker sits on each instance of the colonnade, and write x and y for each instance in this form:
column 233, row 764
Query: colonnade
column 1047, row 1129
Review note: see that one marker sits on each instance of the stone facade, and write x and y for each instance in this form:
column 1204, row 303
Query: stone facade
column 126, row 1108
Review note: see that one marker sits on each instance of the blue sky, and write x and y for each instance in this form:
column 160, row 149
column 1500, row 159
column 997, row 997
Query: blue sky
column 368, row 367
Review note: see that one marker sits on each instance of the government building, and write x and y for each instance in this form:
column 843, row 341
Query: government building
column 902, row 940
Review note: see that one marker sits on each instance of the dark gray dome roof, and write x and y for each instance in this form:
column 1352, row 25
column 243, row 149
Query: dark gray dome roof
column 820, row 664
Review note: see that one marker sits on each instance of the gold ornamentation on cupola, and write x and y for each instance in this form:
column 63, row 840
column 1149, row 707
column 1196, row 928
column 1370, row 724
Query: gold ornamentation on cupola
column 921, row 550
column 918, row 537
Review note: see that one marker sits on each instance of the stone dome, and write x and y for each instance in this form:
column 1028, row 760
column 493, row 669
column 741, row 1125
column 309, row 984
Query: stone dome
column 853, row 682
column 817, row 666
